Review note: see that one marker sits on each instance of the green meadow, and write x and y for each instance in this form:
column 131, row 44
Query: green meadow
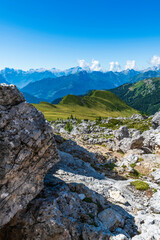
column 96, row 103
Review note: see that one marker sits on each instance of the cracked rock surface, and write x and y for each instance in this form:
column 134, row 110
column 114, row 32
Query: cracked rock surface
column 27, row 151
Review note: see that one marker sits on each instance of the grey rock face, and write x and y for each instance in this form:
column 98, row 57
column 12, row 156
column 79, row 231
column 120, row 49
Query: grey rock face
column 137, row 117
column 121, row 133
column 141, row 153
column 156, row 175
column 155, row 204
column 9, row 95
column 111, row 219
column 149, row 226
column 137, row 142
column 70, row 211
column 77, row 151
column 131, row 143
column 127, row 161
column 156, row 120
column 59, row 215
column 27, row 151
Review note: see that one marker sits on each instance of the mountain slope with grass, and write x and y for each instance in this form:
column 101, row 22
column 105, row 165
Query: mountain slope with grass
column 143, row 95
column 96, row 103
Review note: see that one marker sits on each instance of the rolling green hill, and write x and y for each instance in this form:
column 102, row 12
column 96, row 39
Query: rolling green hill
column 143, row 95
column 96, row 103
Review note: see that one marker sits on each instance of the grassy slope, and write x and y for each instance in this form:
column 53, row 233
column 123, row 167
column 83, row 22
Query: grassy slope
column 97, row 103
column 143, row 95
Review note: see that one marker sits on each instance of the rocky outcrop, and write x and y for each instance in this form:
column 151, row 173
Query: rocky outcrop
column 121, row 133
column 27, row 151
column 9, row 95
column 111, row 219
column 73, row 205
column 130, row 143
column 123, row 155
column 156, row 120
column 137, row 117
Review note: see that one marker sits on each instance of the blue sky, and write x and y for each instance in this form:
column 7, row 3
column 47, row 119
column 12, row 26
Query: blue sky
column 49, row 33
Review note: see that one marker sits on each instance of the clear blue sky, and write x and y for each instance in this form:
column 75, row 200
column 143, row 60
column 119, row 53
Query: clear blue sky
column 49, row 33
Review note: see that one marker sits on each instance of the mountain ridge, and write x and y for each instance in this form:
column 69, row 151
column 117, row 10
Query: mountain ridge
column 76, row 84
column 21, row 78
column 96, row 103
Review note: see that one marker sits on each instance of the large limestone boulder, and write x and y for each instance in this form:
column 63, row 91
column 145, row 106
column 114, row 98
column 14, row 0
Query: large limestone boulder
column 121, row 133
column 156, row 120
column 157, row 143
column 137, row 117
column 27, row 151
column 10, row 95
column 111, row 219
column 156, row 175
column 154, row 202
column 137, row 142
column 130, row 143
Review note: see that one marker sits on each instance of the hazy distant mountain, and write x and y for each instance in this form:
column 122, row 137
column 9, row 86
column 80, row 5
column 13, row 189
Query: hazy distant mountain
column 31, row 99
column 145, row 75
column 71, row 71
column 3, row 80
column 52, row 84
column 21, row 78
column 153, row 68
column 77, row 84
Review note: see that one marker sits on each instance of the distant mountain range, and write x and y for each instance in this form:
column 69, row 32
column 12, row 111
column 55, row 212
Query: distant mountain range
column 50, row 85
column 31, row 99
column 145, row 75
column 3, row 80
column 21, row 78
column 78, row 84
column 143, row 95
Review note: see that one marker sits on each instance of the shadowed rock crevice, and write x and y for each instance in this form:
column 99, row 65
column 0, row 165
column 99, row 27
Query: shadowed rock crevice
column 69, row 211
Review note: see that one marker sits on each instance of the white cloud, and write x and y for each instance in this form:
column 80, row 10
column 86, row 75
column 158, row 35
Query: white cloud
column 95, row 66
column 130, row 64
column 155, row 60
column 83, row 64
column 114, row 67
